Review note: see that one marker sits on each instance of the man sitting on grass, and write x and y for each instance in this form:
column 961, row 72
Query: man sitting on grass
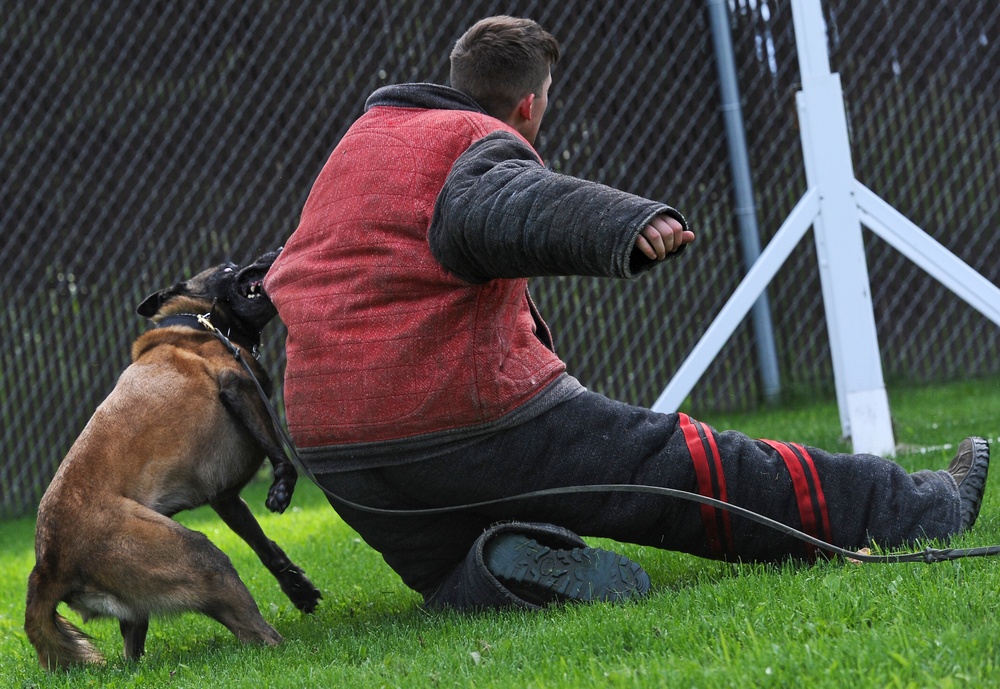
column 421, row 375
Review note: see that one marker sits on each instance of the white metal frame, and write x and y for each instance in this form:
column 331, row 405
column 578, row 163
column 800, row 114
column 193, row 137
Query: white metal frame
column 836, row 205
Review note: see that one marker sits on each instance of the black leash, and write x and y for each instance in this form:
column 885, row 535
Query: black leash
column 927, row 555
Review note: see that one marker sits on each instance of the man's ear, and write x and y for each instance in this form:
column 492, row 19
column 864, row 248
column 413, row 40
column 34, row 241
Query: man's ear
column 524, row 106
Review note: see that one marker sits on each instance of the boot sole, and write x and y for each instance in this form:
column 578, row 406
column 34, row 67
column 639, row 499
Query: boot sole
column 973, row 485
column 581, row 574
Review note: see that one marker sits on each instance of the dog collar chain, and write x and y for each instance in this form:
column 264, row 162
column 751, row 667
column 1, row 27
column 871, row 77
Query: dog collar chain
column 202, row 321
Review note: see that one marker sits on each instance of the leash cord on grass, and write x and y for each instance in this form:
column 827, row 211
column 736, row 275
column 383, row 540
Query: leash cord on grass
column 927, row 555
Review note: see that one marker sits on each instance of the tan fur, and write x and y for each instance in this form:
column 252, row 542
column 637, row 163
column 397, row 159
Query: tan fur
column 162, row 442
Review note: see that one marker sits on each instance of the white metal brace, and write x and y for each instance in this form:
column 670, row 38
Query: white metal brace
column 835, row 206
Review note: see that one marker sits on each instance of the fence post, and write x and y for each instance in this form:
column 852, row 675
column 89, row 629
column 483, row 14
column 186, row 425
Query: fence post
column 745, row 211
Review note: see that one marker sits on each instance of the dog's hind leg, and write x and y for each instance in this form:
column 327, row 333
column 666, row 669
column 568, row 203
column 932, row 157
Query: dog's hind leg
column 240, row 397
column 134, row 634
column 293, row 581
column 151, row 564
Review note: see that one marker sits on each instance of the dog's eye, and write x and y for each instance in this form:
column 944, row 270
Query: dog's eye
column 227, row 270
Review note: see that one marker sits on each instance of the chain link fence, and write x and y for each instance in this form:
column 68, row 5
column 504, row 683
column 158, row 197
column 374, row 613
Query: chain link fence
column 141, row 141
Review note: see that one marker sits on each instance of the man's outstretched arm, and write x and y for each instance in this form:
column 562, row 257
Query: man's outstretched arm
column 502, row 214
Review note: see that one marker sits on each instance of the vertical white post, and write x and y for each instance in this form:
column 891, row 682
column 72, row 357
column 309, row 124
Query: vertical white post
column 857, row 368
column 834, row 205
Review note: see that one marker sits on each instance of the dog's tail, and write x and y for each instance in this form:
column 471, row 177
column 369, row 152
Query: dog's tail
column 59, row 644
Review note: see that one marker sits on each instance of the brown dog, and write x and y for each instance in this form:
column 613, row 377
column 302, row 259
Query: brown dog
column 184, row 426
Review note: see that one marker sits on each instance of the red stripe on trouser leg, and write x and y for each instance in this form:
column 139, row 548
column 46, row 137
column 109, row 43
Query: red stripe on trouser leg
column 717, row 458
column 827, row 534
column 803, row 496
column 707, row 485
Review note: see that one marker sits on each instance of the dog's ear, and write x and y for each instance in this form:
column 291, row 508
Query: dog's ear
column 151, row 304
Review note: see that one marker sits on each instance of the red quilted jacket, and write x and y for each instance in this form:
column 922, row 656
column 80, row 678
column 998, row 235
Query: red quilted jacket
column 383, row 343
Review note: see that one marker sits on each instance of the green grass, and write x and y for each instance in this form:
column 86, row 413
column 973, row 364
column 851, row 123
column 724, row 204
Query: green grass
column 706, row 624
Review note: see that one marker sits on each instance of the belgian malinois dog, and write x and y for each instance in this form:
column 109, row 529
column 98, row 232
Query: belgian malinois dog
column 184, row 426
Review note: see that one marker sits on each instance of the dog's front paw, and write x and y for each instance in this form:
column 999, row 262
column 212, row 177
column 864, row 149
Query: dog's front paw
column 299, row 589
column 279, row 496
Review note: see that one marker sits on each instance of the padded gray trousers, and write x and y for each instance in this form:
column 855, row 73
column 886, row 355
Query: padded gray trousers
column 850, row 500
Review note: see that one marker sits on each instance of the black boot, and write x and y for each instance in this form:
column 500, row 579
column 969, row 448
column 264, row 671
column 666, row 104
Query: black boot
column 523, row 565
column 969, row 469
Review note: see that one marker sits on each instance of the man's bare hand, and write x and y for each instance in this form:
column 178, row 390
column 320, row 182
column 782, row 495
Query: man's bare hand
column 663, row 235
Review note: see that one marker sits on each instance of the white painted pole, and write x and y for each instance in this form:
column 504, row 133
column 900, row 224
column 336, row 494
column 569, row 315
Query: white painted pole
column 929, row 254
column 857, row 366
